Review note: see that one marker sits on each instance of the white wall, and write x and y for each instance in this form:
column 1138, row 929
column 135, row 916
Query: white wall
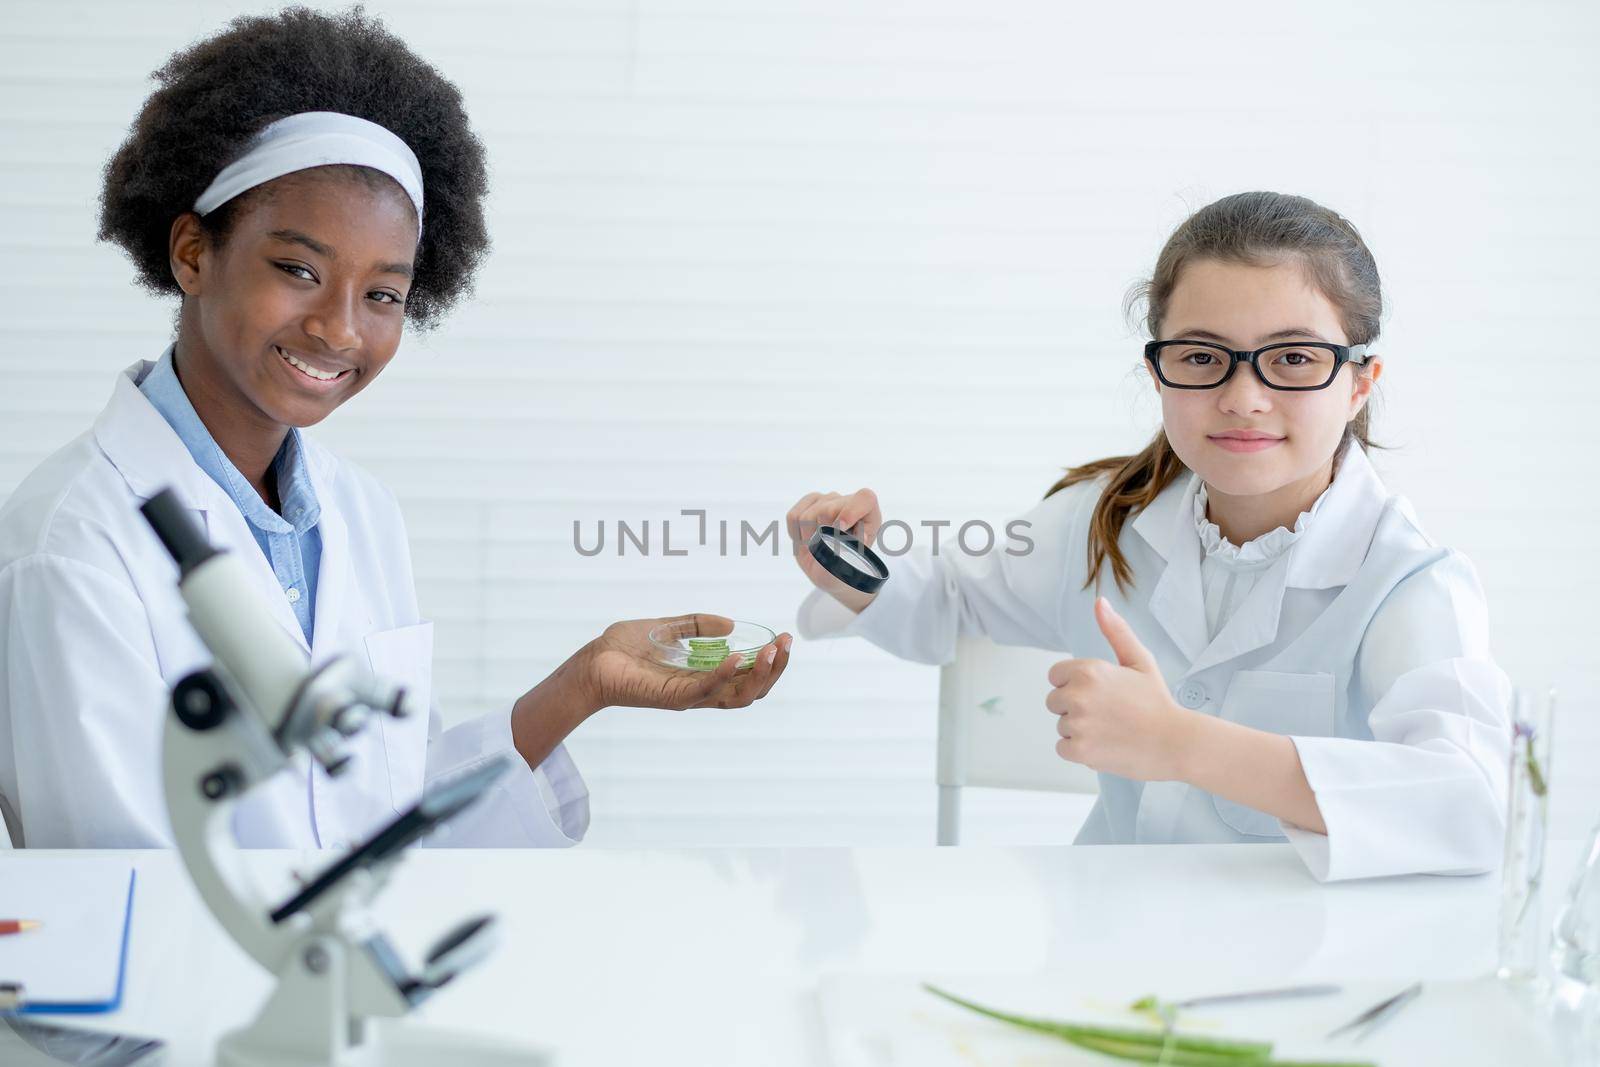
column 748, row 249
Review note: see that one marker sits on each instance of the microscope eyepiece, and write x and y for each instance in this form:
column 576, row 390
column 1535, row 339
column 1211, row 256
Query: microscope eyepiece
column 181, row 536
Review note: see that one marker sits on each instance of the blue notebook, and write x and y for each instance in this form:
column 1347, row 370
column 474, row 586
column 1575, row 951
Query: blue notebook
column 76, row 963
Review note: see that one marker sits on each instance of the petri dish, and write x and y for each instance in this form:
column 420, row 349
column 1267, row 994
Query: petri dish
column 673, row 646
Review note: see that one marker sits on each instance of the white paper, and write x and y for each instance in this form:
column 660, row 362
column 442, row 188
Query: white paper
column 76, row 956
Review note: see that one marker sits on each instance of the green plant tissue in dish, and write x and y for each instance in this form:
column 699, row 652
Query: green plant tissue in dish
column 706, row 653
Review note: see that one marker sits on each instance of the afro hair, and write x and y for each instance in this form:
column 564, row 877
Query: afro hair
column 215, row 96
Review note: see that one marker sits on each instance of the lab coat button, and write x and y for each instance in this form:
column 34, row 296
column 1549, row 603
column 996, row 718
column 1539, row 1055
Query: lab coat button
column 1191, row 695
column 293, row 593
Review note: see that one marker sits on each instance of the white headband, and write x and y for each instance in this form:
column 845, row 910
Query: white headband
column 316, row 139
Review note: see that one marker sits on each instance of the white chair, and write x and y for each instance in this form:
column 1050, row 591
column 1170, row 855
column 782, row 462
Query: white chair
column 994, row 730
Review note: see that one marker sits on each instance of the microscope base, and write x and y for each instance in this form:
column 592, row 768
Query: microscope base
column 307, row 1022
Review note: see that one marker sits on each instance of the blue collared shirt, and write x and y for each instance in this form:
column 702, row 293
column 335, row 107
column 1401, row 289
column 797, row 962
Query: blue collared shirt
column 291, row 541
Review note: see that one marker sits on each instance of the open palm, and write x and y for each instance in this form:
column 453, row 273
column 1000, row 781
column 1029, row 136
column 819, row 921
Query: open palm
column 626, row 674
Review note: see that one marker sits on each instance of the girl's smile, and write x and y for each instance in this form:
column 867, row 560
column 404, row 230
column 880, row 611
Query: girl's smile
column 1245, row 440
column 314, row 373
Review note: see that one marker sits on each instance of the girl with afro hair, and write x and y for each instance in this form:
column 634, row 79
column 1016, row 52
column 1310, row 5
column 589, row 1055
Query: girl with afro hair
column 303, row 185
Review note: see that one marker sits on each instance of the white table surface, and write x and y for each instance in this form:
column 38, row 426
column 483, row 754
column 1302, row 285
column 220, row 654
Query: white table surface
column 714, row 956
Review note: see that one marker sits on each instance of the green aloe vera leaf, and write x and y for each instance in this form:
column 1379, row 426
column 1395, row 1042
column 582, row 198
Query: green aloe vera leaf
column 1147, row 1053
column 1142, row 1046
column 1166, row 1053
column 1236, row 1052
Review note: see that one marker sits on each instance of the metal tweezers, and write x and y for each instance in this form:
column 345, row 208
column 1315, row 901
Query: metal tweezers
column 1168, row 1013
column 1259, row 994
column 1379, row 1013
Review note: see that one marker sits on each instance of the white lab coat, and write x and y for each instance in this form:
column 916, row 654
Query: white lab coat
column 93, row 633
column 1365, row 643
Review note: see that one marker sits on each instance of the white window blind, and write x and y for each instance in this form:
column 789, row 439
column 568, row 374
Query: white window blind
column 744, row 250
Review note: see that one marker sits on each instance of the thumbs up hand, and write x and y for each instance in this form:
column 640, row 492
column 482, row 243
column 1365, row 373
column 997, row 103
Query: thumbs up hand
column 1119, row 718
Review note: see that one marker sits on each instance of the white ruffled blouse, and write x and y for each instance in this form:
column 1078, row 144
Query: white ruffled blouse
column 1228, row 571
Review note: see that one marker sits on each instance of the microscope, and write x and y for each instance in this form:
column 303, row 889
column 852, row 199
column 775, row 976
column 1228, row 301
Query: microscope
column 343, row 990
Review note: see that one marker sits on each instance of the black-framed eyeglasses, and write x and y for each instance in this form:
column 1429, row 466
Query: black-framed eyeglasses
column 1290, row 365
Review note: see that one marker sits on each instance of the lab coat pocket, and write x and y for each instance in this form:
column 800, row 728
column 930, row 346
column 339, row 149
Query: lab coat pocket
column 1281, row 703
column 405, row 656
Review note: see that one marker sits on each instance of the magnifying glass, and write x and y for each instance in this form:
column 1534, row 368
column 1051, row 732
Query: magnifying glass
column 842, row 555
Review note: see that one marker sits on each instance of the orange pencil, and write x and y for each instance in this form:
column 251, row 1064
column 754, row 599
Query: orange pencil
column 18, row 926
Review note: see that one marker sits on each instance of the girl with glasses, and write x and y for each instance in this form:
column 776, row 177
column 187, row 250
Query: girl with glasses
column 1264, row 643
